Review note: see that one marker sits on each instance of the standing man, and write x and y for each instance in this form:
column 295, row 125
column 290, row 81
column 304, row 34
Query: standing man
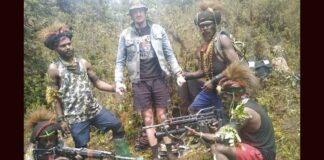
column 76, row 107
column 248, row 120
column 145, row 48
column 216, row 53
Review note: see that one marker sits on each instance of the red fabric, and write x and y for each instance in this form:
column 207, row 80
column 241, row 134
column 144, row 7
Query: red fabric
column 233, row 83
column 202, row 48
column 247, row 152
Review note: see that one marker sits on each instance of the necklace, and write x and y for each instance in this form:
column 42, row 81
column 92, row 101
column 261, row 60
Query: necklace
column 69, row 65
column 208, row 60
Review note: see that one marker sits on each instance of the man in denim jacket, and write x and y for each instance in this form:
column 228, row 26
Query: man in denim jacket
column 145, row 48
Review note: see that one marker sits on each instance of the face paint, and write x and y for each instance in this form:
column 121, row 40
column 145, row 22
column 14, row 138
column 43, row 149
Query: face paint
column 47, row 142
column 207, row 29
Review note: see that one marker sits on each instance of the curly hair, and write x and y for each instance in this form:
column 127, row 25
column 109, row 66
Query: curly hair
column 53, row 40
column 51, row 35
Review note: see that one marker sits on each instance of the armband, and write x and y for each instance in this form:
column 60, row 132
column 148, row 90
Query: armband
column 216, row 79
column 94, row 78
column 60, row 119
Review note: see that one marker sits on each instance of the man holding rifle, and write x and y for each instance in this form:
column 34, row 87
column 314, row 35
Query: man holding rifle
column 44, row 137
column 250, row 128
column 45, row 143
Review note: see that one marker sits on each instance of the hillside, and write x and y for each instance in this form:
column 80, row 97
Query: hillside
column 269, row 28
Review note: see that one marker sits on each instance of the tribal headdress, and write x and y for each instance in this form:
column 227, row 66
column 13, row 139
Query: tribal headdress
column 209, row 11
column 238, row 77
column 42, row 125
column 52, row 35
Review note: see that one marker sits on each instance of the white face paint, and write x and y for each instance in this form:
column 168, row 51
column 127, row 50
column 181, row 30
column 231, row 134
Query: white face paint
column 207, row 29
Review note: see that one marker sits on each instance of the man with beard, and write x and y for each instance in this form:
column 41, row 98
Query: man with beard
column 216, row 53
column 76, row 107
column 249, row 133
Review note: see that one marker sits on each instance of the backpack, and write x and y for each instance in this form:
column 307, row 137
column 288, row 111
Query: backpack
column 261, row 68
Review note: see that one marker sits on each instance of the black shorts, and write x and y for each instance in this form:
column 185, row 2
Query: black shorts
column 151, row 93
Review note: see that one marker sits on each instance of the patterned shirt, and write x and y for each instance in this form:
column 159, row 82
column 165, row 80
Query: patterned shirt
column 76, row 95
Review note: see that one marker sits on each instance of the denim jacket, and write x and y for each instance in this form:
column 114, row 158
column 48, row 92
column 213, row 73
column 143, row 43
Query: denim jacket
column 128, row 53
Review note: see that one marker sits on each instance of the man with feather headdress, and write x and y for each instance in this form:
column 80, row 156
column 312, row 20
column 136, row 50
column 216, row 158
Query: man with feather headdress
column 216, row 53
column 249, row 134
column 44, row 137
column 76, row 107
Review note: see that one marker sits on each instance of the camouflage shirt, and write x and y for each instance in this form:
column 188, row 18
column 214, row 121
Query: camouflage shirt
column 76, row 95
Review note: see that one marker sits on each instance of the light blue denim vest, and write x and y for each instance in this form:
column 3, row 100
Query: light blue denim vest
column 128, row 53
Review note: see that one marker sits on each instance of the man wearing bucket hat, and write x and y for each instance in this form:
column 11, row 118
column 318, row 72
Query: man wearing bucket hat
column 249, row 134
column 146, row 50
column 215, row 54
column 70, row 78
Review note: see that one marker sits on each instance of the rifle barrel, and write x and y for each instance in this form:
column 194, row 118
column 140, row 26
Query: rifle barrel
column 182, row 129
column 86, row 152
column 191, row 116
column 183, row 119
column 174, row 131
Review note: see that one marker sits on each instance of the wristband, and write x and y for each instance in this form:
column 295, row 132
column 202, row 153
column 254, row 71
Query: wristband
column 216, row 79
column 60, row 119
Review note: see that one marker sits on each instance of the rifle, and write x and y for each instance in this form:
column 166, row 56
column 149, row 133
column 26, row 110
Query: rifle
column 202, row 119
column 83, row 152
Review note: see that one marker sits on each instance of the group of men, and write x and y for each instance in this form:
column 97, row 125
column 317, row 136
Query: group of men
column 145, row 49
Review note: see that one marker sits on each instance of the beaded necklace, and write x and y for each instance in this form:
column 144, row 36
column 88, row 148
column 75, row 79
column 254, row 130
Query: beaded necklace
column 208, row 60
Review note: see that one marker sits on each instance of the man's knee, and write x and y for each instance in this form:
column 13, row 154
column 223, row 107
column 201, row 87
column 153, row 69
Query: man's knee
column 224, row 150
column 148, row 120
column 162, row 117
column 221, row 148
column 80, row 141
column 161, row 114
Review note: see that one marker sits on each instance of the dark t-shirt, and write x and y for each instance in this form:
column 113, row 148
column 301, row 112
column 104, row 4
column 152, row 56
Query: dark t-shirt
column 149, row 64
column 264, row 138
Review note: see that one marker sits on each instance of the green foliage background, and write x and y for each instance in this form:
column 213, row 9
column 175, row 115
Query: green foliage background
column 261, row 24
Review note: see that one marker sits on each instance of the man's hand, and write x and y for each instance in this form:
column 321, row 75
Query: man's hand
column 65, row 128
column 192, row 131
column 78, row 157
column 120, row 88
column 208, row 86
column 180, row 80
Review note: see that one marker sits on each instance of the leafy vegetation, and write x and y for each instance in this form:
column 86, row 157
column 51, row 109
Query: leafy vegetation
column 261, row 24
